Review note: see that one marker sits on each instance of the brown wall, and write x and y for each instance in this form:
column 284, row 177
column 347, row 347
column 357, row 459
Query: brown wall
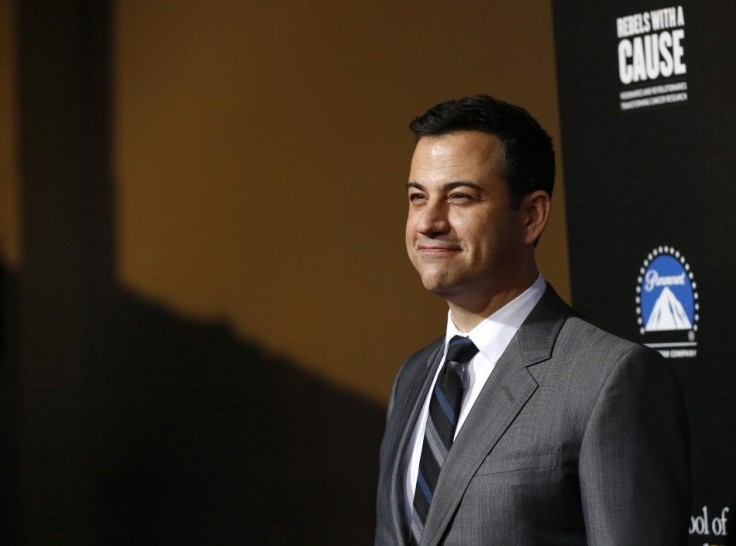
column 260, row 155
column 165, row 164
column 9, row 184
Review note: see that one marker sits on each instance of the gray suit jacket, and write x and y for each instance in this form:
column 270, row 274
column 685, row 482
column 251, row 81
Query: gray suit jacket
column 578, row 437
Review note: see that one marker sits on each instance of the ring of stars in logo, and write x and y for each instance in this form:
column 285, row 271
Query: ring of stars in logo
column 677, row 307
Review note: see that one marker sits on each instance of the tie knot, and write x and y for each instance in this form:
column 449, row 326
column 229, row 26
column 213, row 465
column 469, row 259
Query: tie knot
column 460, row 350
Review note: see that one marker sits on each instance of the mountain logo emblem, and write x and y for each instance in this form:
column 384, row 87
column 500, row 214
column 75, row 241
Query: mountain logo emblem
column 667, row 300
column 668, row 313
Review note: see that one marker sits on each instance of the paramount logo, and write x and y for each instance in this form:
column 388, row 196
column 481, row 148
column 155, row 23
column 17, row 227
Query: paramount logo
column 667, row 305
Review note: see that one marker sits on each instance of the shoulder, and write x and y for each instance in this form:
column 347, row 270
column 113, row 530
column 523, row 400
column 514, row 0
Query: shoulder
column 577, row 352
column 601, row 361
column 415, row 365
column 579, row 336
column 574, row 334
column 419, row 360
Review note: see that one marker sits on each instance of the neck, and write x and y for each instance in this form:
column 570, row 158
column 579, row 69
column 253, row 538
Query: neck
column 468, row 312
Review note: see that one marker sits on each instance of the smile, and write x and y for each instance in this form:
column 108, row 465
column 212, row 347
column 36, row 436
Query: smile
column 437, row 249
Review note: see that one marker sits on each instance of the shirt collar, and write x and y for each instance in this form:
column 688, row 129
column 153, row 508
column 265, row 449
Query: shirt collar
column 495, row 332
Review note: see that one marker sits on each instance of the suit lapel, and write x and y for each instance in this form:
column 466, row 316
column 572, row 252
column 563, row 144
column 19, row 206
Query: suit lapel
column 407, row 412
column 504, row 395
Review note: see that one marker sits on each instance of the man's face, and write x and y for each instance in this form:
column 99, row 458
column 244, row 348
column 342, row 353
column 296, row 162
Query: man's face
column 462, row 235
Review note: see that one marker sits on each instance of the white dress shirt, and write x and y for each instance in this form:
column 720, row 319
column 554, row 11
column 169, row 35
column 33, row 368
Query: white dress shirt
column 491, row 336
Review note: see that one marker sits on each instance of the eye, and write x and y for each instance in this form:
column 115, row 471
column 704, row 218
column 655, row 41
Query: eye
column 460, row 197
column 416, row 196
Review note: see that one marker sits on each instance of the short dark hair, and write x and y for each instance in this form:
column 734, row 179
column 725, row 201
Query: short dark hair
column 529, row 157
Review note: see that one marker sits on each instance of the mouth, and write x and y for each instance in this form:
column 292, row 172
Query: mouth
column 437, row 248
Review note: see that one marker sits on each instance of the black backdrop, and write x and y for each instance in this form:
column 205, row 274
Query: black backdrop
column 649, row 160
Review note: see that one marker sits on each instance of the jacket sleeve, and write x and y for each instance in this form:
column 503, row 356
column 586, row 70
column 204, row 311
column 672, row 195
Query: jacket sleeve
column 634, row 458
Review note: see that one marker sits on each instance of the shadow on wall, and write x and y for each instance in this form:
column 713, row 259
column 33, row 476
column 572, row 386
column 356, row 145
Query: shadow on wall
column 9, row 411
column 214, row 442
column 121, row 422
column 192, row 436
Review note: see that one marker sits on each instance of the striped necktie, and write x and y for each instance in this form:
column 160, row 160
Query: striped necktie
column 444, row 409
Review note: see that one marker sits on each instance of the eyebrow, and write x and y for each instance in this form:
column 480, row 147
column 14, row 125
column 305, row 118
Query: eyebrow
column 448, row 186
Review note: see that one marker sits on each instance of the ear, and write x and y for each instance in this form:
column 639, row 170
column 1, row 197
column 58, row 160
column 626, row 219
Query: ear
column 535, row 207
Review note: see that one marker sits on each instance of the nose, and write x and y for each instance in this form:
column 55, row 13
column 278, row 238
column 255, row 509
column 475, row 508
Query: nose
column 433, row 219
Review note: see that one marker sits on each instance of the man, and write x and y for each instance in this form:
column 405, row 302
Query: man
column 524, row 424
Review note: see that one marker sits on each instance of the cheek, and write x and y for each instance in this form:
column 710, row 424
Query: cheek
column 471, row 232
column 410, row 229
column 409, row 238
column 487, row 239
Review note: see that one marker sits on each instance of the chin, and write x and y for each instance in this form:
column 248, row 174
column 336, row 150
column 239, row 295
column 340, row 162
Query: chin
column 438, row 286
